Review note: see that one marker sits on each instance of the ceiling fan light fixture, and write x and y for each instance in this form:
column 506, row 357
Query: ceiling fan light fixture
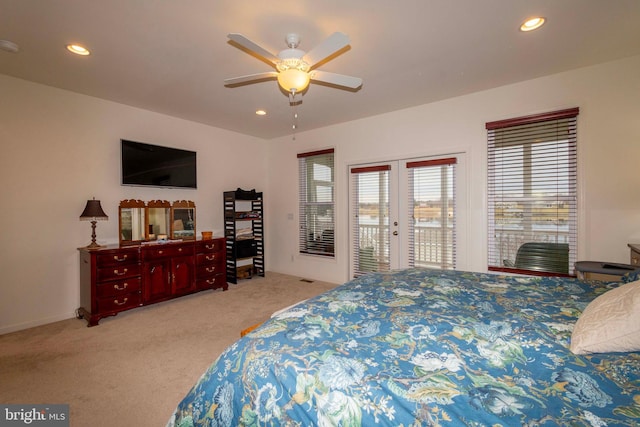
column 293, row 80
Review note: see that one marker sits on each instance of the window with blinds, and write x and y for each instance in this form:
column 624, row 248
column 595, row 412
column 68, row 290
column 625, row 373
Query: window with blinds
column 432, row 213
column 317, row 199
column 532, row 196
column 371, row 231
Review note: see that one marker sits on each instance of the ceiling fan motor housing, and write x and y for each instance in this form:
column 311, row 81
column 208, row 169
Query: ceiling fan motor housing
column 293, row 40
column 292, row 58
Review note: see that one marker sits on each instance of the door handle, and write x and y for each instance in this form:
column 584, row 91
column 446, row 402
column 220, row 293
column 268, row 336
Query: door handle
column 395, row 233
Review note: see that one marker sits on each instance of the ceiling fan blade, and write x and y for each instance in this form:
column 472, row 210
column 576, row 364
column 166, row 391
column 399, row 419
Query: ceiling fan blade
column 336, row 79
column 250, row 78
column 253, row 47
column 332, row 44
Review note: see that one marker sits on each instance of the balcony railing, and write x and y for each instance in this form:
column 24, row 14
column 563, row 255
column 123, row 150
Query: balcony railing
column 428, row 244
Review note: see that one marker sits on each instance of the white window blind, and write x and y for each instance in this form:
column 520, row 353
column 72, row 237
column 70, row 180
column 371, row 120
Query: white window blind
column 370, row 222
column 432, row 213
column 532, row 206
column 317, row 199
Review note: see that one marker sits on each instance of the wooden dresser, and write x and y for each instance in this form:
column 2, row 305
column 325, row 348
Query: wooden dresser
column 115, row 279
column 211, row 264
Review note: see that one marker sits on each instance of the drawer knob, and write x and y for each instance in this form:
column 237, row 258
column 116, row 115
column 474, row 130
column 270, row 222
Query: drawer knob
column 208, row 246
column 117, row 258
column 211, row 281
column 210, row 257
column 124, row 301
column 210, row 269
column 160, row 252
column 120, row 288
column 118, row 273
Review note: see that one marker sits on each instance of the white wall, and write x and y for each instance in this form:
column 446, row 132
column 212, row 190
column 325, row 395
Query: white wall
column 609, row 152
column 58, row 149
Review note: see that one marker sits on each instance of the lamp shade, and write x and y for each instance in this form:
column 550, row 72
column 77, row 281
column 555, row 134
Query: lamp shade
column 93, row 211
column 293, row 80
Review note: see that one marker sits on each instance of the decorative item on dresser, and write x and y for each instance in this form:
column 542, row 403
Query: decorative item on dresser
column 93, row 212
column 132, row 222
column 119, row 278
column 183, row 220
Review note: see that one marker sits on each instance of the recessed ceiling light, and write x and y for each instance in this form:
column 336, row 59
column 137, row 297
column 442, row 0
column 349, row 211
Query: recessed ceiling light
column 9, row 46
column 78, row 50
column 261, row 112
column 532, row 23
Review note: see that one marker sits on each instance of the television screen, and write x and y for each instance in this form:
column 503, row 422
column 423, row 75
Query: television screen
column 157, row 166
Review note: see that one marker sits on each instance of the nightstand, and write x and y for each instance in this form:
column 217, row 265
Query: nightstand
column 605, row 271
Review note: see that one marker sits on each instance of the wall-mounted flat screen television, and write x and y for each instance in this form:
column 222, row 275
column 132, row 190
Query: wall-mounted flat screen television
column 157, row 166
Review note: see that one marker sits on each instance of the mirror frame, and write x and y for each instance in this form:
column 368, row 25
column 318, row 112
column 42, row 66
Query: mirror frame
column 132, row 204
column 183, row 205
column 158, row 204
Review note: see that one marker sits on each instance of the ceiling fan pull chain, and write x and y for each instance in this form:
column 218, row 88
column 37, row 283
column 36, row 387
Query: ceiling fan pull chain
column 293, row 103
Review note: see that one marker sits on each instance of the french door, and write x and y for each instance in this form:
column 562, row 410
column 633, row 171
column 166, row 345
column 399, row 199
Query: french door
column 403, row 214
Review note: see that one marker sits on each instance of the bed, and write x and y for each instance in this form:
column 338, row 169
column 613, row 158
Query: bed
column 422, row 347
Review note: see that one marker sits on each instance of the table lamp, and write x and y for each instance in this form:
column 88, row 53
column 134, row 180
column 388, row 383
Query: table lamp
column 93, row 212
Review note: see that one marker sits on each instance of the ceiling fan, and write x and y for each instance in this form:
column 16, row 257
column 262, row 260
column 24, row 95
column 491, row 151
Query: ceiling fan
column 295, row 68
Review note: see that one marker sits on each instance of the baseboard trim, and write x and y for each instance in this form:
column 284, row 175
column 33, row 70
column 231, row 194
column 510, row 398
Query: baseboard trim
column 35, row 323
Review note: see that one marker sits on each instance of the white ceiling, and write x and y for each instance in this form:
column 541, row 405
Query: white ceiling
column 171, row 56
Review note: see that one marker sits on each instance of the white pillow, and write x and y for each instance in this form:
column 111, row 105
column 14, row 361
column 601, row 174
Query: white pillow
column 610, row 323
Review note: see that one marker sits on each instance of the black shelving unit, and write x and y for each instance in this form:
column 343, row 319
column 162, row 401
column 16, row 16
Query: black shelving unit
column 244, row 232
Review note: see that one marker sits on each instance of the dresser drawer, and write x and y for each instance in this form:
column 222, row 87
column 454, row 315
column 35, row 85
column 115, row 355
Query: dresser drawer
column 167, row 251
column 209, row 258
column 118, row 258
column 212, row 282
column 215, row 245
column 120, row 302
column 118, row 272
column 209, row 269
column 119, row 287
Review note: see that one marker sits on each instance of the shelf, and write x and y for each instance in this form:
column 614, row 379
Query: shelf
column 243, row 211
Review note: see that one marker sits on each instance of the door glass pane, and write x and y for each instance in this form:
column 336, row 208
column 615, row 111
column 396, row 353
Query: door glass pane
column 370, row 220
column 432, row 216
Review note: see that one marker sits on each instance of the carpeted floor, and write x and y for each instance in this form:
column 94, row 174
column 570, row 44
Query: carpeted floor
column 132, row 369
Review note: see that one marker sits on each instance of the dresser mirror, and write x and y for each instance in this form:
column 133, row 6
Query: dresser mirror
column 183, row 220
column 132, row 221
column 158, row 217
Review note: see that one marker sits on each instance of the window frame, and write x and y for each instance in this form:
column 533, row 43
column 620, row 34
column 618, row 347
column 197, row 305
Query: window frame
column 318, row 237
column 563, row 122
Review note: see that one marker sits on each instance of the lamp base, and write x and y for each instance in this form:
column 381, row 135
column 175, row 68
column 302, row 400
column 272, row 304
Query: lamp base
column 93, row 245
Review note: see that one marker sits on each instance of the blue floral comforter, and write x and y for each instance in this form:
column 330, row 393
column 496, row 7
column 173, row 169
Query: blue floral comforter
column 421, row 347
